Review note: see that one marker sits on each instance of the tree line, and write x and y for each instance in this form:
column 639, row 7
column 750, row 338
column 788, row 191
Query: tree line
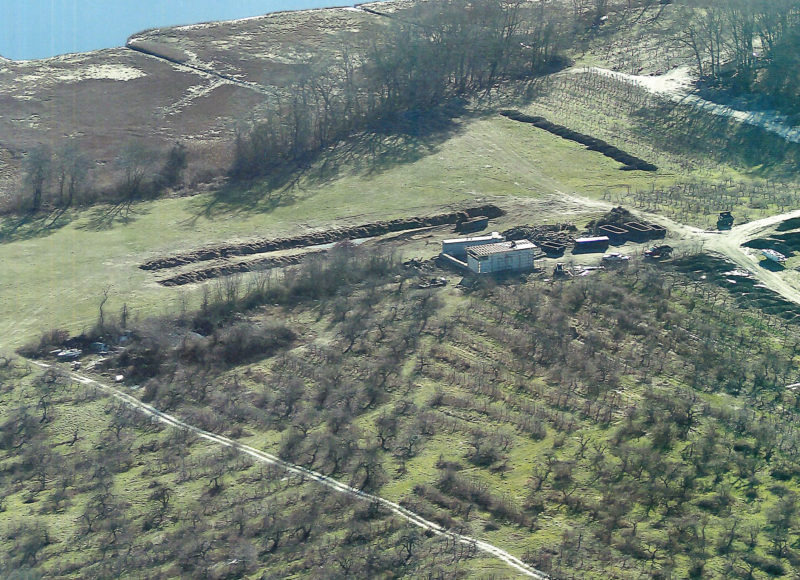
column 60, row 177
column 746, row 45
column 427, row 56
column 388, row 79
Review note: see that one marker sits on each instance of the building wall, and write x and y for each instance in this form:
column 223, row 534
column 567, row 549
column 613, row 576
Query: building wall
column 458, row 248
column 514, row 259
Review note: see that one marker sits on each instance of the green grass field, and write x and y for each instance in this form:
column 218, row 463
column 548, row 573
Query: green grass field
column 57, row 277
column 614, row 413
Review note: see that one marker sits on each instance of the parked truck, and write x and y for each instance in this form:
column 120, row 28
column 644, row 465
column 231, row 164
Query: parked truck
column 725, row 220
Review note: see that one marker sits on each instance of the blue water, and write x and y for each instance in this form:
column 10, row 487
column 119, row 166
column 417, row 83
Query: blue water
column 41, row 28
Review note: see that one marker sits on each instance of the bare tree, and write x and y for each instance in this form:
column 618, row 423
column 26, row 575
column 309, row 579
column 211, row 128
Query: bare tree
column 38, row 170
column 137, row 161
column 72, row 172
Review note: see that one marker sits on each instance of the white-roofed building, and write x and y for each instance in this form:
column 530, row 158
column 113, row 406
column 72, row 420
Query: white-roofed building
column 501, row 257
column 457, row 247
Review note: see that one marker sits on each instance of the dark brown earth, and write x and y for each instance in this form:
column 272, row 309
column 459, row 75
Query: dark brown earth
column 629, row 162
column 238, row 268
column 313, row 239
column 563, row 233
column 195, row 85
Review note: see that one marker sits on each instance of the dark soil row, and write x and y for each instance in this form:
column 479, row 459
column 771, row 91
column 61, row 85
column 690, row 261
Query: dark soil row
column 316, row 238
column 228, row 269
column 629, row 161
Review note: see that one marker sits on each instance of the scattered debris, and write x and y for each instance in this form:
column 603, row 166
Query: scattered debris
column 69, row 354
column 433, row 283
column 560, row 271
column 586, row 270
column 615, row 258
column 658, row 252
column 98, row 348
column 737, row 273
column 562, row 233
column 414, row 263
column 774, row 255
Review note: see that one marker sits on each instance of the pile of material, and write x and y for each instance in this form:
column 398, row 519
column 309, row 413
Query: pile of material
column 554, row 233
column 618, row 217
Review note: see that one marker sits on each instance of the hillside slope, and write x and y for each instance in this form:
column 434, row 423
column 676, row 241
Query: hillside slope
column 189, row 83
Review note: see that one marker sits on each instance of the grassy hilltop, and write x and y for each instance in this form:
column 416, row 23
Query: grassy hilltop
column 635, row 422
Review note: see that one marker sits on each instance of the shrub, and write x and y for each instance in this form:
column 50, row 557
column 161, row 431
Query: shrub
column 51, row 339
column 245, row 341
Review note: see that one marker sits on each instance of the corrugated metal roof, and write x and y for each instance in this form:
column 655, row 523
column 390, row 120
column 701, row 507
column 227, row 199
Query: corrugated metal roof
column 597, row 239
column 489, row 238
column 501, row 247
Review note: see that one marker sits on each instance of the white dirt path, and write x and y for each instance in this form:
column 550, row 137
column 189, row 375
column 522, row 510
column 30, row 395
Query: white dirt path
column 729, row 244
column 677, row 86
column 264, row 457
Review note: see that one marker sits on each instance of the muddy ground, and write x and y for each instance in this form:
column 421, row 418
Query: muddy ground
column 746, row 288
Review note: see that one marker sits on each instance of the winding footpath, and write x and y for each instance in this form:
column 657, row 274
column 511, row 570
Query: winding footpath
column 309, row 474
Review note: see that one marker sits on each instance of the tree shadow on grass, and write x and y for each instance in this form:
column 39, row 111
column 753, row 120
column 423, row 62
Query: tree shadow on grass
column 107, row 216
column 391, row 141
column 772, row 265
column 693, row 132
column 262, row 195
column 29, row 226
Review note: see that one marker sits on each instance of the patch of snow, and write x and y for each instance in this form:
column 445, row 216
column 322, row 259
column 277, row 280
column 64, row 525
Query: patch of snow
column 114, row 72
column 193, row 93
column 738, row 273
column 678, row 81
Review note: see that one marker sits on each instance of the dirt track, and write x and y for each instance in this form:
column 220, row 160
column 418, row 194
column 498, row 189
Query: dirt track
column 263, row 457
column 678, row 86
column 730, row 243
column 727, row 244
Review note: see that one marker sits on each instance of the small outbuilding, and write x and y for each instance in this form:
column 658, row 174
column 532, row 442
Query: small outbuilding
column 457, row 247
column 593, row 244
column 501, row 257
column 475, row 224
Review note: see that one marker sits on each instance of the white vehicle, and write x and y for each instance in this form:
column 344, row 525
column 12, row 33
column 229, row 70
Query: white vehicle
column 774, row 256
column 615, row 257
